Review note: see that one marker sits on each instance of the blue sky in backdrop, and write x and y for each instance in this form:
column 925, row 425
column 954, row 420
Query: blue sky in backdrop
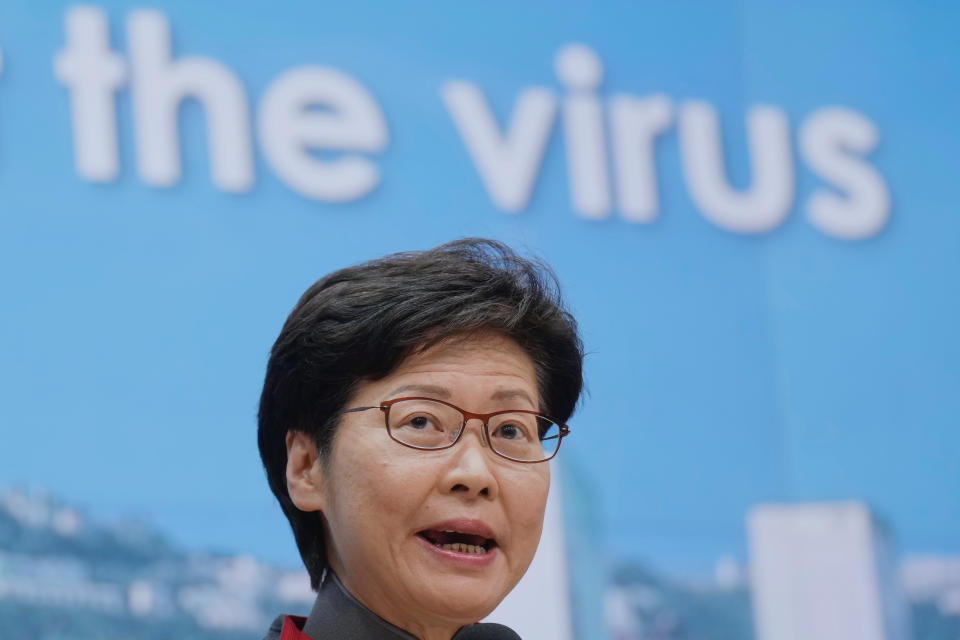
column 723, row 369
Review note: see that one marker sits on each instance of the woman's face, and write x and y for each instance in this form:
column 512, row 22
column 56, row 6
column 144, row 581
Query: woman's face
column 382, row 501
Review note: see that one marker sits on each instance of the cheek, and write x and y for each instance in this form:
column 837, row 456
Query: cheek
column 374, row 498
column 526, row 507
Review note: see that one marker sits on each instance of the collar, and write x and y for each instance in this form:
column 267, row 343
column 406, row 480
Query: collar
column 337, row 614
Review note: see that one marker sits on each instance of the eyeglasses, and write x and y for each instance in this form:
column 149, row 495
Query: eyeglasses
column 425, row 423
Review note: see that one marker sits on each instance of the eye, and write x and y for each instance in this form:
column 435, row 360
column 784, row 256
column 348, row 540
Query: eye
column 421, row 422
column 511, row 431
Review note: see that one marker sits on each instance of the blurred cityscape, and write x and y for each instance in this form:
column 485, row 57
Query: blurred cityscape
column 816, row 570
column 643, row 606
column 64, row 577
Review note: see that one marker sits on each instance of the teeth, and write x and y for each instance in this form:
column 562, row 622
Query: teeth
column 461, row 547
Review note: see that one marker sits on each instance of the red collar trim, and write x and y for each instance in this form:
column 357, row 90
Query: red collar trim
column 291, row 628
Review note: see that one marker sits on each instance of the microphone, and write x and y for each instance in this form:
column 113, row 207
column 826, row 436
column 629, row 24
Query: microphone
column 486, row 631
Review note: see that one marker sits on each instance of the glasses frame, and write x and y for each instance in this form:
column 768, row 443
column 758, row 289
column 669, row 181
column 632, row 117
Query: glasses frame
column 385, row 406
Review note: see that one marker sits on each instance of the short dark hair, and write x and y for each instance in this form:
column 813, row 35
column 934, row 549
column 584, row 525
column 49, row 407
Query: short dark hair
column 361, row 322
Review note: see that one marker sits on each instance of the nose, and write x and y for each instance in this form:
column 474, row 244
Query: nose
column 470, row 470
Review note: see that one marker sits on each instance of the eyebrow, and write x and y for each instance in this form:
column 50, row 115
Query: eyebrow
column 444, row 394
column 509, row 394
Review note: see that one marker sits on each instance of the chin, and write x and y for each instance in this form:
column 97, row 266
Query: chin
column 466, row 611
column 463, row 601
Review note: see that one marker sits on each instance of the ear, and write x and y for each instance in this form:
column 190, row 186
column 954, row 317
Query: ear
column 305, row 480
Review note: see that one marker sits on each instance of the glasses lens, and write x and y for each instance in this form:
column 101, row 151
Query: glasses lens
column 424, row 423
column 524, row 436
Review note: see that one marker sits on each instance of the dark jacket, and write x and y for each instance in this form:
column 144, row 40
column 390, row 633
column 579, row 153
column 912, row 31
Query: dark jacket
column 336, row 615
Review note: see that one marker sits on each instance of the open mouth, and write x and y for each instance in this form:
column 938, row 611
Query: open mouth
column 458, row 541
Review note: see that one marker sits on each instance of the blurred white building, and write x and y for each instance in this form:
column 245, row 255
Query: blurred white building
column 823, row 571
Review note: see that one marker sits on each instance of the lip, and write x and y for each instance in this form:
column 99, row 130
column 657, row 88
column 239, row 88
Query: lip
column 458, row 559
column 471, row 526
column 465, row 525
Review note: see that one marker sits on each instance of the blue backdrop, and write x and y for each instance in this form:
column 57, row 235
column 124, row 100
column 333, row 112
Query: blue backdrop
column 725, row 368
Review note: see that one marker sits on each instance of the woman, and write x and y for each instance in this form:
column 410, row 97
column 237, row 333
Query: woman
column 409, row 409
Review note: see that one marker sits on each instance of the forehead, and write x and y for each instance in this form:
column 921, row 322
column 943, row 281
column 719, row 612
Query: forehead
column 488, row 365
